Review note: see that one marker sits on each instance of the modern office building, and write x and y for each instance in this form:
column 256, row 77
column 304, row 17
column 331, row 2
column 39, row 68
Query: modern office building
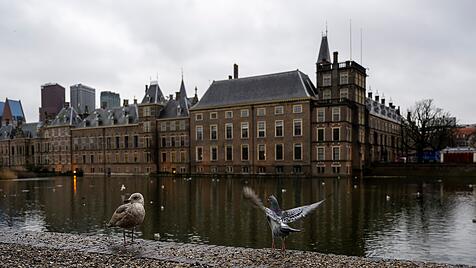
column 83, row 98
column 110, row 99
column 52, row 101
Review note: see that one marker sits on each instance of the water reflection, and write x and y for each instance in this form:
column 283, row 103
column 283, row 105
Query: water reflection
column 424, row 219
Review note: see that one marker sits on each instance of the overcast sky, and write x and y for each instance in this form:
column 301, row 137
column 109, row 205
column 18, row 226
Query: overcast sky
column 413, row 49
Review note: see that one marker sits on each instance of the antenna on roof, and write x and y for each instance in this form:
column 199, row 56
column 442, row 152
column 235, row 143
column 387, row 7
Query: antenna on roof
column 326, row 27
column 350, row 35
column 157, row 76
column 182, row 73
column 360, row 45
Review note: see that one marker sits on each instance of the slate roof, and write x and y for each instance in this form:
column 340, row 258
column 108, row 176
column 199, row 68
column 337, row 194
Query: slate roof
column 6, row 132
column 324, row 55
column 153, row 94
column 30, row 129
column 177, row 108
column 16, row 109
column 111, row 117
column 2, row 105
column 67, row 116
column 378, row 109
column 263, row 88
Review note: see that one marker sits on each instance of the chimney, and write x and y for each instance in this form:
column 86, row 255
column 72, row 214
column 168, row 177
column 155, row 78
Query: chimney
column 235, row 71
column 135, row 101
column 377, row 98
column 66, row 104
column 146, row 87
column 171, row 96
column 383, row 100
column 126, row 102
column 230, row 77
column 370, row 94
column 398, row 110
column 177, row 95
column 391, row 104
column 336, row 58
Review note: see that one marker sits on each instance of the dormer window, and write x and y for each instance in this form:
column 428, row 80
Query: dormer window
column 326, row 80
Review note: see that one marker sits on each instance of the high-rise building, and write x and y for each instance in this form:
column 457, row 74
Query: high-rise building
column 83, row 98
column 110, row 99
column 52, row 100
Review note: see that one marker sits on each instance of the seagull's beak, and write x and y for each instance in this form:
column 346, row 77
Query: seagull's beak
column 127, row 201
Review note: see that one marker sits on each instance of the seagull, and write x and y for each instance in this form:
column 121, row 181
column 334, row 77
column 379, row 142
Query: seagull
column 278, row 219
column 129, row 215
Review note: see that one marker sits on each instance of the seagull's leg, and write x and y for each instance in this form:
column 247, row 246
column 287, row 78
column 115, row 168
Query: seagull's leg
column 124, row 233
column 272, row 244
column 132, row 234
column 283, row 244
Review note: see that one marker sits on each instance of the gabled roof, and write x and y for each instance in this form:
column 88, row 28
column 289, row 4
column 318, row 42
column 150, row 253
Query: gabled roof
column 324, row 55
column 263, row 88
column 66, row 117
column 30, row 129
column 177, row 108
column 16, row 108
column 153, row 94
column 2, row 105
column 111, row 117
column 6, row 132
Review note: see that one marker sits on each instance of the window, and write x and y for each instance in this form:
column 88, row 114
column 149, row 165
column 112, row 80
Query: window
column 336, row 153
column 320, row 154
column 297, row 127
column 183, row 156
column 336, row 134
column 213, row 153
column 163, row 126
column 261, row 129
column 172, row 126
column 326, row 94
column 229, row 153
column 261, row 112
column 229, row 114
column 146, row 126
column 279, row 128
column 326, row 80
column 245, row 170
column 126, row 142
column 298, row 151
column 182, row 125
column 279, row 110
column 172, row 157
column 229, row 169
column 117, row 142
column 146, row 111
column 335, row 114
column 199, row 117
column 244, row 152
column 344, row 78
column 320, row 134
column 244, row 130
column 199, row 153
column 172, row 141
column 279, row 152
column 229, row 131
column 244, row 113
column 344, row 93
column 213, row 115
column 213, row 132
column 136, row 141
column 279, row 169
column 261, row 152
column 199, row 133
column 321, row 114
column 297, row 109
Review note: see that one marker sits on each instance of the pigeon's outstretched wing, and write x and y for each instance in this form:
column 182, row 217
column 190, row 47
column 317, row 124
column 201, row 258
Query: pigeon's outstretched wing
column 294, row 214
column 249, row 194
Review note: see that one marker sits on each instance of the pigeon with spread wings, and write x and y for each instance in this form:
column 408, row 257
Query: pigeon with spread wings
column 278, row 219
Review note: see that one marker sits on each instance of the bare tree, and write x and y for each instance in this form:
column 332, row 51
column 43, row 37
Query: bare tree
column 427, row 127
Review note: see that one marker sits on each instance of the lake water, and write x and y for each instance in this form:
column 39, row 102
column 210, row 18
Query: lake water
column 426, row 219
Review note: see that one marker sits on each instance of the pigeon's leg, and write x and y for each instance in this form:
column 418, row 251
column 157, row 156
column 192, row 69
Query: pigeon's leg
column 124, row 233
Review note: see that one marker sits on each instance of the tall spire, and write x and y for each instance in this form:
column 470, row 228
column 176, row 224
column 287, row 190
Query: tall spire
column 324, row 54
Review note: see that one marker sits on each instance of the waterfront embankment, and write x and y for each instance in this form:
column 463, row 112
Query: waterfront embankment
column 39, row 249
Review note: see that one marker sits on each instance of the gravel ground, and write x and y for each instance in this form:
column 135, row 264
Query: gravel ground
column 32, row 249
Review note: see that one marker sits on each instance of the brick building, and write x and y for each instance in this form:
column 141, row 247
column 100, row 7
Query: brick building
column 52, row 101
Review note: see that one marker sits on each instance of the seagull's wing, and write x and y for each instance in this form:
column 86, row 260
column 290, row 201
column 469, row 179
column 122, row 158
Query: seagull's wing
column 119, row 215
column 294, row 214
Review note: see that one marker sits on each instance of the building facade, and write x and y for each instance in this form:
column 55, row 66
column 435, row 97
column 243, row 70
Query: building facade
column 83, row 98
column 110, row 99
column 52, row 101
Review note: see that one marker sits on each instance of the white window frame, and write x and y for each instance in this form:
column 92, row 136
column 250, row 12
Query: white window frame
column 326, row 80
column 336, row 113
column 245, row 125
column 244, row 113
column 228, row 114
column 326, row 94
column 323, row 134
column 211, row 153
column 294, row 127
column 226, row 152
column 196, row 132
column 276, row 128
column 196, row 153
column 276, row 150
column 258, row 129
column 261, row 111
column 294, row 152
column 213, row 115
column 211, row 131
column 323, row 153
column 338, row 148
column 333, row 133
column 257, row 151
column 199, row 117
column 344, row 78
column 297, row 108
column 226, row 131
column 323, row 110
column 241, row 152
column 279, row 110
